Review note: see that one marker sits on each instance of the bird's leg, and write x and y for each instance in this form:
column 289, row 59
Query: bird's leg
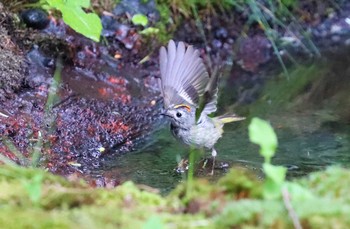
column 213, row 154
column 182, row 166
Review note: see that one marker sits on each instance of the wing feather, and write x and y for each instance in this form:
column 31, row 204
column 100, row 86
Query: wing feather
column 211, row 94
column 184, row 78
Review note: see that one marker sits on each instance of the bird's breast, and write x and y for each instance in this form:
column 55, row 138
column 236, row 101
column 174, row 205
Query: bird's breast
column 202, row 135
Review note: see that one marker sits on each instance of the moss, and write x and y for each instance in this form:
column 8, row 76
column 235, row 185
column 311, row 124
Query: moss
column 242, row 184
column 253, row 214
column 331, row 183
column 234, row 202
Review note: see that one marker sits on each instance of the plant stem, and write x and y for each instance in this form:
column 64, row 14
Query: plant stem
column 190, row 173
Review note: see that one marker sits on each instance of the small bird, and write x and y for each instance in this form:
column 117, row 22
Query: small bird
column 189, row 92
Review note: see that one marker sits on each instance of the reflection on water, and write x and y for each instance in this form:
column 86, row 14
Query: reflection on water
column 309, row 113
column 300, row 153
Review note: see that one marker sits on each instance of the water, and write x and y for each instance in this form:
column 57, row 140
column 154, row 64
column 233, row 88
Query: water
column 311, row 121
column 300, row 152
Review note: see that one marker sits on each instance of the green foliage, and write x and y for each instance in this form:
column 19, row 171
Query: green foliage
column 33, row 187
column 139, row 19
column 164, row 25
column 154, row 222
column 49, row 119
column 241, row 181
column 87, row 24
column 261, row 133
column 271, row 16
column 230, row 203
column 275, row 180
column 150, row 31
column 236, row 214
column 289, row 3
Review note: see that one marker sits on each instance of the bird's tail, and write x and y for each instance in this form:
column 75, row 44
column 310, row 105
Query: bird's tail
column 226, row 118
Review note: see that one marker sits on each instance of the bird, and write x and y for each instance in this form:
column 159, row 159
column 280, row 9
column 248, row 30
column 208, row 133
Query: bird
column 190, row 95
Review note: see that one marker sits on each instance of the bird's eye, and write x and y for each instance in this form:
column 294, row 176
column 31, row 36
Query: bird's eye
column 178, row 114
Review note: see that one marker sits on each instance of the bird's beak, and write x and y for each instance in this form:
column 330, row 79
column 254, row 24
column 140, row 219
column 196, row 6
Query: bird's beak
column 165, row 113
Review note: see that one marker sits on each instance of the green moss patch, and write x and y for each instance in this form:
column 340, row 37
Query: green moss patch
column 33, row 198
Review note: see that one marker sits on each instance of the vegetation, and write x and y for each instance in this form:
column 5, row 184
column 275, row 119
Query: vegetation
column 273, row 17
column 36, row 151
column 88, row 24
column 237, row 200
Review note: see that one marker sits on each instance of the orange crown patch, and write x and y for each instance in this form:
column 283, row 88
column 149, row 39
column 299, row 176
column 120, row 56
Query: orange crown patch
column 188, row 108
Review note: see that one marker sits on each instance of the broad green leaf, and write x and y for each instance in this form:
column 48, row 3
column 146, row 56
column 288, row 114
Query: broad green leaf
column 81, row 3
column 88, row 24
column 57, row 3
column 261, row 133
column 139, row 19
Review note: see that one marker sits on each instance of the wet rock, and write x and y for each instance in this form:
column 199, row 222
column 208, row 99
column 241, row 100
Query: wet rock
column 12, row 65
column 35, row 18
column 253, row 51
column 132, row 7
column 221, row 33
column 122, row 32
column 97, row 107
column 112, row 27
column 217, row 43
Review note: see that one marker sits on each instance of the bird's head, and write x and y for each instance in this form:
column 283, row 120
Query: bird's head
column 182, row 115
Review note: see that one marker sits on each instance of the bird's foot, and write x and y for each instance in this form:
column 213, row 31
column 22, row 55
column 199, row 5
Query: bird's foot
column 182, row 166
column 213, row 154
column 212, row 167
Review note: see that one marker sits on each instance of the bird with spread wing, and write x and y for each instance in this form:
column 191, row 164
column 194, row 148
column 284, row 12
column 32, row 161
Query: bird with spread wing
column 190, row 95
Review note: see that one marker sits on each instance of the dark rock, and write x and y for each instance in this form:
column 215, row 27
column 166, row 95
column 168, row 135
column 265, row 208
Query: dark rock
column 35, row 18
column 253, row 51
column 133, row 7
column 221, row 33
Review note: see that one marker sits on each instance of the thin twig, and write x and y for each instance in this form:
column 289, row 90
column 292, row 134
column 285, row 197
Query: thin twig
column 291, row 212
column 3, row 115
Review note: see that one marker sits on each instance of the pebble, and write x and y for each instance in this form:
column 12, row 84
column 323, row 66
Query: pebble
column 35, row 18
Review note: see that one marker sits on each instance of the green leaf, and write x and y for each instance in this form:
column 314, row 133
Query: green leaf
column 149, row 31
column 275, row 176
column 70, row 3
column 271, row 189
column 88, row 24
column 81, row 3
column 33, row 187
column 298, row 192
column 139, row 19
column 261, row 133
column 276, row 173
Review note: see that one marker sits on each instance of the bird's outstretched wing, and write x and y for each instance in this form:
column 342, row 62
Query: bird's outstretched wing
column 208, row 102
column 184, row 77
